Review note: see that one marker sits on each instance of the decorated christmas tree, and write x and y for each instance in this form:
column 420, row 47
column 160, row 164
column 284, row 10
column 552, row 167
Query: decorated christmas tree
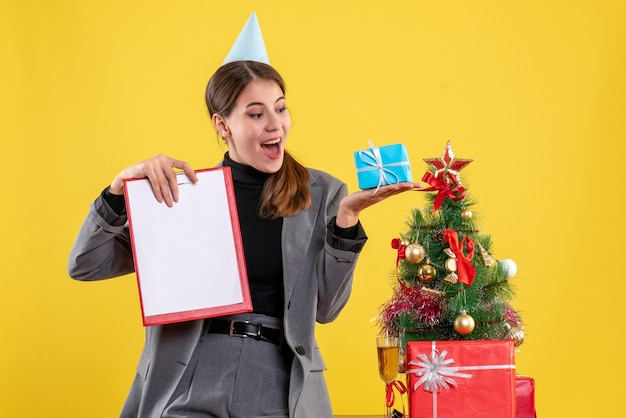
column 447, row 283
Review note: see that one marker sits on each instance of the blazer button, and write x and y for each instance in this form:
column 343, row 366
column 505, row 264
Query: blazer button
column 300, row 350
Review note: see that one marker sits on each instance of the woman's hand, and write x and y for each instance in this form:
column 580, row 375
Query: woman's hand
column 159, row 170
column 351, row 206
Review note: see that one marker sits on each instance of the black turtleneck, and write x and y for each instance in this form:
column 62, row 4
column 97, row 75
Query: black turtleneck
column 261, row 240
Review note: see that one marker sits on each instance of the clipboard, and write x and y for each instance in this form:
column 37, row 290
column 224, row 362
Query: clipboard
column 189, row 258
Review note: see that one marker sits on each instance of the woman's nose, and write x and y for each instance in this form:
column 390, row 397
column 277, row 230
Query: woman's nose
column 274, row 122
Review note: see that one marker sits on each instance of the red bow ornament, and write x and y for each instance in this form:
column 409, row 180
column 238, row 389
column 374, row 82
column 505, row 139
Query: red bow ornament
column 396, row 244
column 465, row 271
column 443, row 189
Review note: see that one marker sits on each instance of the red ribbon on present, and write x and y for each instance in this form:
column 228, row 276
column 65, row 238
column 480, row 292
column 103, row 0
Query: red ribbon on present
column 443, row 189
column 390, row 395
column 396, row 244
column 464, row 269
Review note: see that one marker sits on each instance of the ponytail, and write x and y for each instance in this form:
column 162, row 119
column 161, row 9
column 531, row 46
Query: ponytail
column 286, row 192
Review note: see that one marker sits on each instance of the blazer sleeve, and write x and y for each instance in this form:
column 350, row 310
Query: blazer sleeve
column 338, row 261
column 102, row 248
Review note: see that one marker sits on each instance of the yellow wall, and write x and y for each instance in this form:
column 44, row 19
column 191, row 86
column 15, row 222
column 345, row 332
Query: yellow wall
column 532, row 91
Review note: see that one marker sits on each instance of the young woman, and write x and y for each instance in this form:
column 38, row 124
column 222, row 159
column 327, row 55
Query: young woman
column 301, row 236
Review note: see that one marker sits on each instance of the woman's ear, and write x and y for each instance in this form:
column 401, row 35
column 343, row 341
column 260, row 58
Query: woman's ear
column 221, row 126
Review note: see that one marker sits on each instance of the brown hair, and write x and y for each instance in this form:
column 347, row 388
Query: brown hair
column 285, row 192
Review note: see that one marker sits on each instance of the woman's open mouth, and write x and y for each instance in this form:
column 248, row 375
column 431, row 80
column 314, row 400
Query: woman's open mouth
column 272, row 148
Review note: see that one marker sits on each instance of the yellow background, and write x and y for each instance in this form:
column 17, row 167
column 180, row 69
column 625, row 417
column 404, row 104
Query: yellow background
column 533, row 91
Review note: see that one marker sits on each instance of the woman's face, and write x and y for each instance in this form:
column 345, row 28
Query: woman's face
column 256, row 130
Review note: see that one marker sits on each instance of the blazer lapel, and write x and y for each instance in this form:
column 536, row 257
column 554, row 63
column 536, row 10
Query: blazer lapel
column 296, row 235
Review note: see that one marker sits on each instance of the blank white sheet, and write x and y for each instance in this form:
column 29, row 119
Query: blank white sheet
column 189, row 257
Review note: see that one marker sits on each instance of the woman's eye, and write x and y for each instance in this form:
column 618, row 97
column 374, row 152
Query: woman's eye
column 255, row 115
column 282, row 109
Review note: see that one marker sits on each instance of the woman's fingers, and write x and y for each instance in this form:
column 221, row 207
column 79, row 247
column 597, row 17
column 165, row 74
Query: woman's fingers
column 163, row 178
column 159, row 170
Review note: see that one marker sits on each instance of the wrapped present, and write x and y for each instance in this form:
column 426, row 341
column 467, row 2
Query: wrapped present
column 377, row 167
column 460, row 379
column 525, row 397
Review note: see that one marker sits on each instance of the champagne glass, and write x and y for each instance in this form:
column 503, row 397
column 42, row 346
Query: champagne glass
column 388, row 362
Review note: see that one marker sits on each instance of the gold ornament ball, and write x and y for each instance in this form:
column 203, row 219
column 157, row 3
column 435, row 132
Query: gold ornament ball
column 426, row 273
column 517, row 336
column 405, row 242
column 414, row 253
column 464, row 323
column 466, row 214
column 401, row 362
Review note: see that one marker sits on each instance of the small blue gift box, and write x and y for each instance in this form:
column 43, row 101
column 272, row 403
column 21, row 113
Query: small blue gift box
column 377, row 167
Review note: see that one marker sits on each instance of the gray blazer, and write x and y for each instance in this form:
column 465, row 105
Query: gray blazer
column 318, row 268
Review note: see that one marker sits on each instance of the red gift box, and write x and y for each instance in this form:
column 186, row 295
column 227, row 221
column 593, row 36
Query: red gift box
column 525, row 394
column 460, row 379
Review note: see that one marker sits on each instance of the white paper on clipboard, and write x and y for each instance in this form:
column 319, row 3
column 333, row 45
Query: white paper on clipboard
column 188, row 258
